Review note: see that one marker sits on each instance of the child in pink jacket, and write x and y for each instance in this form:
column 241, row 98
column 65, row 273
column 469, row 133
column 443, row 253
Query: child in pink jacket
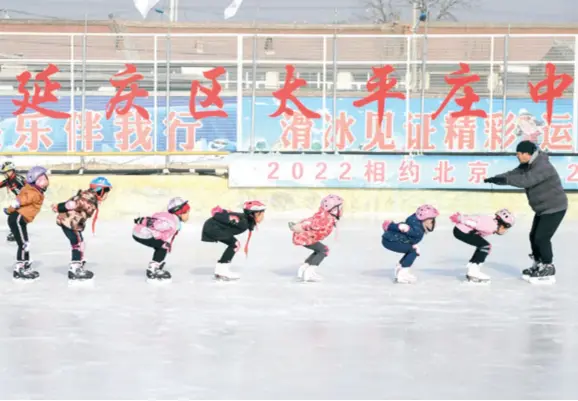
column 159, row 232
column 472, row 230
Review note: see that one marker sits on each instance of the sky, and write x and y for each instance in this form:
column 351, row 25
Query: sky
column 293, row 11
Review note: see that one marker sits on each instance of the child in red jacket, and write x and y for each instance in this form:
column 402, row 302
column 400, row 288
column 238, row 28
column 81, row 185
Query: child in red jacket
column 310, row 232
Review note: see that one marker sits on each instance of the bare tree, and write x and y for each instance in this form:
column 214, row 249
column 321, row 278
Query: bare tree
column 389, row 11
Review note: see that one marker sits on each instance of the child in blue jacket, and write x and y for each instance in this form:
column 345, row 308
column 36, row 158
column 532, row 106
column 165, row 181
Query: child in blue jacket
column 404, row 237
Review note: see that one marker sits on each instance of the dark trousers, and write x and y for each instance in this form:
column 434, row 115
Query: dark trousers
column 320, row 252
column 543, row 229
column 18, row 228
column 400, row 247
column 76, row 243
column 232, row 248
column 160, row 253
column 482, row 246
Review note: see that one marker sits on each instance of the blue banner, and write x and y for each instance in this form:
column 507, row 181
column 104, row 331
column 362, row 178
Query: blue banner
column 356, row 129
column 381, row 171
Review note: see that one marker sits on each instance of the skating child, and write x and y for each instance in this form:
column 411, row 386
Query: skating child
column 22, row 211
column 224, row 226
column 472, row 230
column 310, row 232
column 12, row 182
column 405, row 237
column 72, row 217
column 159, row 232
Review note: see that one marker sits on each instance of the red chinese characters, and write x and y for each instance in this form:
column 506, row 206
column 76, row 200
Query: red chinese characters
column 380, row 85
column 442, row 172
column 286, row 94
column 478, row 171
column 558, row 134
column 343, row 135
column 296, row 132
column 419, row 138
column 409, row 171
column 92, row 130
column 212, row 96
column 554, row 87
column 31, row 133
column 493, row 129
column 41, row 95
column 134, row 91
column 460, row 133
column 378, row 137
column 462, row 80
column 177, row 123
column 134, row 132
column 375, row 171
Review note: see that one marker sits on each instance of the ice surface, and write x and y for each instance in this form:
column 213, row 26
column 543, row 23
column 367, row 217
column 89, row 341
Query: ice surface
column 356, row 335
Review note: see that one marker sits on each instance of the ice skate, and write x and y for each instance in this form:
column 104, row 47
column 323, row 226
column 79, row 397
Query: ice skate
column 23, row 272
column 223, row 273
column 526, row 273
column 301, row 271
column 10, row 238
column 403, row 275
column 156, row 273
column 544, row 274
column 474, row 274
column 77, row 272
column 310, row 274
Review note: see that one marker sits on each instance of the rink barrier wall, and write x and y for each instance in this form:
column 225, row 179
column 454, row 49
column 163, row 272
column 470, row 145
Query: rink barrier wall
column 134, row 196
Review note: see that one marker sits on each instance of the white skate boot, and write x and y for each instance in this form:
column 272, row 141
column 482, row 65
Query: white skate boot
column 310, row 274
column 403, row 275
column 301, row 271
column 475, row 274
column 223, row 273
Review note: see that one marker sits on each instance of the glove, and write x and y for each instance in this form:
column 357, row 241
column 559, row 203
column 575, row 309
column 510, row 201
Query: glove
column 495, row 180
column 416, row 248
column 167, row 246
column 403, row 227
column 296, row 228
column 139, row 220
column 456, row 218
column 216, row 209
column 385, row 224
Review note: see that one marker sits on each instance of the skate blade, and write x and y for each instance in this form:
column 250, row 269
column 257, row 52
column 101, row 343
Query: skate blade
column 398, row 281
column 24, row 281
column 475, row 280
column 540, row 280
column 87, row 282
column 225, row 278
column 156, row 281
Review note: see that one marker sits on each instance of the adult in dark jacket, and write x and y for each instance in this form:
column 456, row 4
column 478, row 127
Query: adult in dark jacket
column 546, row 197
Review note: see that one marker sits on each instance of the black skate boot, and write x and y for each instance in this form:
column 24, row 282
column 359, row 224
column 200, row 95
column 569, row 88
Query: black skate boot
column 545, row 273
column 10, row 238
column 156, row 272
column 535, row 266
column 23, row 271
column 77, row 272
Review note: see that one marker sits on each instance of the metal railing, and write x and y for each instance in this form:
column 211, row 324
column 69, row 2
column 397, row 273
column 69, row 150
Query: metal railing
column 336, row 67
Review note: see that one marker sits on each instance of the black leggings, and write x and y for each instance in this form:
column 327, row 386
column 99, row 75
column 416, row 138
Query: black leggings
column 76, row 242
column 482, row 246
column 18, row 227
column 543, row 229
column 320, row 251
column 160, row 253
column 233, row 246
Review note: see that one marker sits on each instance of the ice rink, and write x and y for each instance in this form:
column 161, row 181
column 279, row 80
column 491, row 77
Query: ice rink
column 355, row 335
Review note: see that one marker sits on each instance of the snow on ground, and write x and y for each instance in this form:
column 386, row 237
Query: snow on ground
column 355, row 335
